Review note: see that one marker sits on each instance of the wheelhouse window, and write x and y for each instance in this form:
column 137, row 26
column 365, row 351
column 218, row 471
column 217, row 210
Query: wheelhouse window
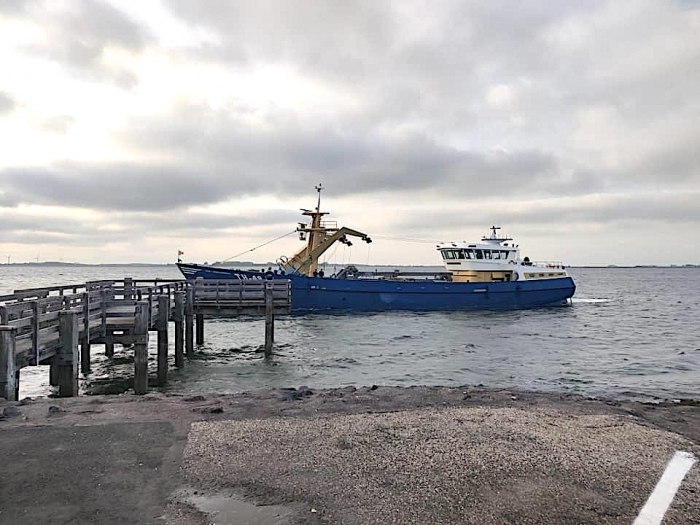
column 479, row 254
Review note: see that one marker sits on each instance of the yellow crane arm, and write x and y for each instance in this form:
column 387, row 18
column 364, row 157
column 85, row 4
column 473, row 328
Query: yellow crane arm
column 305, row 261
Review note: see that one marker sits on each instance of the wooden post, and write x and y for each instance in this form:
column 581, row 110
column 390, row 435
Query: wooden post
column 109, row 346
column 128, row 288
column 103, row 313
column 269, row 319
column 53, row 374
column 66, row 359
column 141, row 348
column 85, row 337
column 200, row 328
column 9, row 384
column 189, row 315
column 179, row 317
column 53, row 366
column 199, row 318
column 35, row 332
column 162, row 327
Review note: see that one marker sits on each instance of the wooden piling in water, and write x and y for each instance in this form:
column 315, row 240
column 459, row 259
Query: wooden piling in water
column 200, row 328
column 85, row 338
column 162, row 327
column 189, row 319
column 269, row 319
column 66, row 358
column 178, row 318
column 141, row 348
column 9, row 380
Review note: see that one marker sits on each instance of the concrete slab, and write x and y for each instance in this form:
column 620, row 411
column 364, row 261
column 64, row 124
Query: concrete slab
column 470, row 465
column 357, row 456
column 107, row 474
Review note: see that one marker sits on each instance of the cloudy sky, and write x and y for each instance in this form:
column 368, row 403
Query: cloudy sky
column 131, row 129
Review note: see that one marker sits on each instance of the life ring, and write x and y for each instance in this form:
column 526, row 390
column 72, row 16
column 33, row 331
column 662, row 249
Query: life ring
column 515, row 276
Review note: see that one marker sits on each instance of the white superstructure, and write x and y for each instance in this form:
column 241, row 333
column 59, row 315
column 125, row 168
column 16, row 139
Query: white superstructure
column 494, row 259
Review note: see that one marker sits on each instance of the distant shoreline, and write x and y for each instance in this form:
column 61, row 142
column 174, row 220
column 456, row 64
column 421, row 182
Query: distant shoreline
column 235, row 264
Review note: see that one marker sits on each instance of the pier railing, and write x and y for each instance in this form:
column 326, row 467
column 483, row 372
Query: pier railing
column 46, row 325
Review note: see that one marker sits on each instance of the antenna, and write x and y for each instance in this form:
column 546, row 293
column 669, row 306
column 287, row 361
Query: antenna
column 318, row 189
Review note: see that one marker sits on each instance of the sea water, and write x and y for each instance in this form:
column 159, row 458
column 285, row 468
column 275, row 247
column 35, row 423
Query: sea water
column 630, row 333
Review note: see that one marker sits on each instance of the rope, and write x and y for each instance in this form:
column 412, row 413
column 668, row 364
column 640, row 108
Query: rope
column 260, row 246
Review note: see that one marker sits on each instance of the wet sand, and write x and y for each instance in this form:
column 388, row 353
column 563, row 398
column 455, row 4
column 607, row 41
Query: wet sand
column 345, row 456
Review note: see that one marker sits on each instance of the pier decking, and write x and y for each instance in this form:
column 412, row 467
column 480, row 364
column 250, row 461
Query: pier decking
column 56, row 325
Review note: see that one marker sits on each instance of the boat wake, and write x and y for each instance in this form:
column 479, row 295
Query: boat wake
column 578, row 300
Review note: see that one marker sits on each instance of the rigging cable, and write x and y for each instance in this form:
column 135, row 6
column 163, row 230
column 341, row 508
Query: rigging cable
column 260, row 246
column 404, row 239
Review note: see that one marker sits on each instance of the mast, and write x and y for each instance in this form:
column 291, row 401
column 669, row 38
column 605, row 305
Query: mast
column 320, row 237
column 318, row 189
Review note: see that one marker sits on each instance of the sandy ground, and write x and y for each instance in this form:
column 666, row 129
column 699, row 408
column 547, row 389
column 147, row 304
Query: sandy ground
column 342, row 456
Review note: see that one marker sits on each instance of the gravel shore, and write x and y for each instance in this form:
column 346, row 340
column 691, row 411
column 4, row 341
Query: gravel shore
column 342, row 456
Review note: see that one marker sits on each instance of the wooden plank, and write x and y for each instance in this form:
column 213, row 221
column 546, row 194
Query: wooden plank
column 240, row 311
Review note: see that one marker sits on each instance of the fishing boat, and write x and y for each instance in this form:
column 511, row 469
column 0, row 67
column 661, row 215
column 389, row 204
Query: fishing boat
column 489, row 274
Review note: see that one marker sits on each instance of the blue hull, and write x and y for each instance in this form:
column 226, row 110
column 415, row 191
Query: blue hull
column 325, row 293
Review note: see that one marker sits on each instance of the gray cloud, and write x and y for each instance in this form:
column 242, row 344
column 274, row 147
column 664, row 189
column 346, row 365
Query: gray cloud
column 454, row 101
column 78, row 32
column 58, row 124
column 632, row 210
column 285, row 158
column 114, row 187
column 7, row 103
column 134, row 226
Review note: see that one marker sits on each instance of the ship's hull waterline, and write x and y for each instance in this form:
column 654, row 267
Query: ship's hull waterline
column 326, row 293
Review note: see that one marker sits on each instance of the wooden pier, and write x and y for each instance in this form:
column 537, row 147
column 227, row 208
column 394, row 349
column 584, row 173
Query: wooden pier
column 56, row 325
